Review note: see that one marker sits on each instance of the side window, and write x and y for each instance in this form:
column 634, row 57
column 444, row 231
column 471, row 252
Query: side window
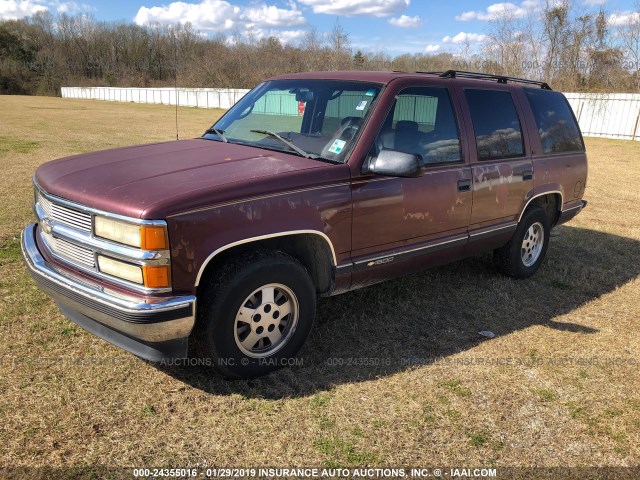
column 555, row 121
column 495, row 123
column 422, row 121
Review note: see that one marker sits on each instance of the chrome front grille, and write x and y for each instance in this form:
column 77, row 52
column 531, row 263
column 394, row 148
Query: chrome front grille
column 63, row 249
column 66, row 216
column 66, row 234
column 70, row 251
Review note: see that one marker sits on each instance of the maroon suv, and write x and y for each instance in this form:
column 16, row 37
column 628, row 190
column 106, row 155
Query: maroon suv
column 313, row 184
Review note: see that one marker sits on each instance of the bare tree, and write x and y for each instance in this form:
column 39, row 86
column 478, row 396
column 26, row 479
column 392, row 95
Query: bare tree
column 630, row 35
column 575, row 52
column 506, row 48
column 339, row 38
column 555, row 24
column 340, row 45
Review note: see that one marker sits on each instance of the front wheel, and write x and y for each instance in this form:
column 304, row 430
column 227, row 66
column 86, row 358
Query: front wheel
column 523, row 255
column 256, row 315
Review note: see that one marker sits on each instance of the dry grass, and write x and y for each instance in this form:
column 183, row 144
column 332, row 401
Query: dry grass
column 70, row 399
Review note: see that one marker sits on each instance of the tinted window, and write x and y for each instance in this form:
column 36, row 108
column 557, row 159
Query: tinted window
column 554, row 119
column 422, row 122
column 495, row 123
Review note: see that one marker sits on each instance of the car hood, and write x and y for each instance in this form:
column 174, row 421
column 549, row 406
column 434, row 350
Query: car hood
column 164, row 178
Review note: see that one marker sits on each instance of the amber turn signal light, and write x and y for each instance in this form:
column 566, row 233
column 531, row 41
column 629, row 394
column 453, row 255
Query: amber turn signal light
column 156, row 276
column 153, row 237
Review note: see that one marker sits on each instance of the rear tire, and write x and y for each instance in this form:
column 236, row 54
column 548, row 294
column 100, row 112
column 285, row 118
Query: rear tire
column 524, row 253
column 256, row 314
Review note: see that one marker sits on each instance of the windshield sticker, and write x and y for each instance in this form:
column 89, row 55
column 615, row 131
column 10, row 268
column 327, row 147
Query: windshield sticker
column 370, row 93
column 361, row 105
column 337, row 146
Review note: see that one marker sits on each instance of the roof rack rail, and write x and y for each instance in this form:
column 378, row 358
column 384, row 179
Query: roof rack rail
column 487, row 76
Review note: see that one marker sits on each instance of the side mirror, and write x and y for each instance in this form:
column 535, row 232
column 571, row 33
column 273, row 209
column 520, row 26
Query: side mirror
column 393, row 163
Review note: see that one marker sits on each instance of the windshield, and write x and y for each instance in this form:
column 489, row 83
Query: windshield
column 311, row 118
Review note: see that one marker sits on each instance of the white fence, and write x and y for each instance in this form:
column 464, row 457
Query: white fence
column 614, row 115
column 187, row 97
column 610, row 115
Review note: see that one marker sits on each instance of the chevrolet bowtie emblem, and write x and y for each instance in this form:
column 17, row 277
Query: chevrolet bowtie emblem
column 46, row 225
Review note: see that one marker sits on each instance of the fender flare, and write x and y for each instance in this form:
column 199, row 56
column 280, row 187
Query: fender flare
column 540, row 195
column 265, row 237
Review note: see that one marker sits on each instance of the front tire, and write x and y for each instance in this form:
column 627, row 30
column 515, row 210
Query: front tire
column 256, row 315
column 524, row 253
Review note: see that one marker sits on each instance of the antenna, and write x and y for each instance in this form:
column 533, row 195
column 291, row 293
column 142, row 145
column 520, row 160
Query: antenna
column 175, row 76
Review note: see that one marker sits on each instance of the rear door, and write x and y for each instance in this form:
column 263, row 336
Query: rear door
column 501, row 164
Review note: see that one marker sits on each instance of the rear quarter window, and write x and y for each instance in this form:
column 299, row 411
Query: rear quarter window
column 556, row 124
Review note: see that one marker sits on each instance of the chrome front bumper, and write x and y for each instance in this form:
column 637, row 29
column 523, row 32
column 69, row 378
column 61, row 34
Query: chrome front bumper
column 154, row 329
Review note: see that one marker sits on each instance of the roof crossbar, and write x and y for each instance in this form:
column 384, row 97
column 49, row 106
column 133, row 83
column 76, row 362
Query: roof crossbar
column 487, row 76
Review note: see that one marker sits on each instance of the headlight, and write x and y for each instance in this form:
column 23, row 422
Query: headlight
column 119, row 269
column 151, row 276
column 146, row 237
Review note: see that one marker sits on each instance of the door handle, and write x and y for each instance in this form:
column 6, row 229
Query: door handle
column 527, row 175
column 464, row 185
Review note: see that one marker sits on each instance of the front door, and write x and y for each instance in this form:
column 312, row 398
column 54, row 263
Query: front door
column 400, row 220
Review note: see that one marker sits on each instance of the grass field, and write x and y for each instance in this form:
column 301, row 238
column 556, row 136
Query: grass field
column 415, row 384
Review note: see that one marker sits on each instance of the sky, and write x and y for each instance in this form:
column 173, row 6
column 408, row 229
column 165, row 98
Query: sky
column 394, row 26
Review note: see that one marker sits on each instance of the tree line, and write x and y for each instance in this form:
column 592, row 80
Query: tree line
column 569, row 48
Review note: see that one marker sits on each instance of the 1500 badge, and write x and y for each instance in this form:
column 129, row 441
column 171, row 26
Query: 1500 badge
column 382, row 261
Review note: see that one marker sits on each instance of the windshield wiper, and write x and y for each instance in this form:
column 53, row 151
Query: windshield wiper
column 289, row 144
column 220, row 133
